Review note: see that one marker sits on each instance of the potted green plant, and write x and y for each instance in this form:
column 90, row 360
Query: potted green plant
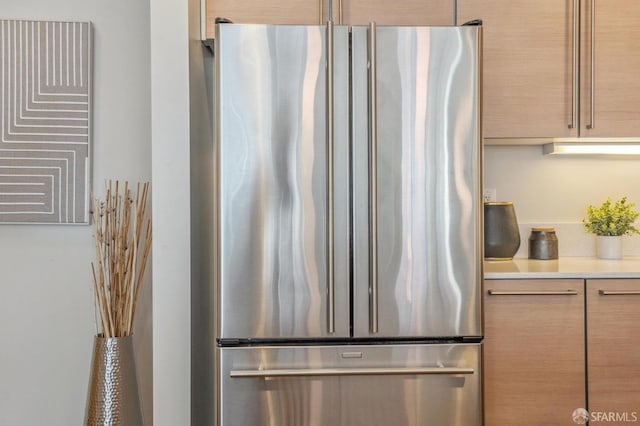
column 610, row 221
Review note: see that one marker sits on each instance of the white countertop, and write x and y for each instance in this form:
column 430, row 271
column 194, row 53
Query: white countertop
column 565, row 267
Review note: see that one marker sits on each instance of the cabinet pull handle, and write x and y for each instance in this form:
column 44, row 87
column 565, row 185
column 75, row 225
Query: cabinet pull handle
column 320, row 11
column 330, row 225
column 592, row 97
column 574, row 66
column 304, row 372
column 619, row 292
column 373, row 181
column 533, row 293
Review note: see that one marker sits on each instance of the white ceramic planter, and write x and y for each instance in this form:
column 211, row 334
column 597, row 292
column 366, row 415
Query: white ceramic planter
column 609, row 247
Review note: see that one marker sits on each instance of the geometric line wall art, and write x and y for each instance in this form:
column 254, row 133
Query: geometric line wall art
column 45, row 121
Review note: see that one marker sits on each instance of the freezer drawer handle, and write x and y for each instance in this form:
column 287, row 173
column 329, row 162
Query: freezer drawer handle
column 533, row 293
column 619, row 292
column 303, row 372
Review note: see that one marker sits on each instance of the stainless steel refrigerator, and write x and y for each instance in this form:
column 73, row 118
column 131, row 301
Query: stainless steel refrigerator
column 348, row 258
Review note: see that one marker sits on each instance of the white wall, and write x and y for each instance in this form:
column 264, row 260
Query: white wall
column 171, row 211
column 46, row 307
column 183, row 240
column 556, row 190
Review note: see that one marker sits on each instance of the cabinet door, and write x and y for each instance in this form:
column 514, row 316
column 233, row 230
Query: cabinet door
column 351, row 12
column 528, row 66
column 613, row 345
column 262, row 12
column 399, row 12
column 533, row 351
column 615, row 56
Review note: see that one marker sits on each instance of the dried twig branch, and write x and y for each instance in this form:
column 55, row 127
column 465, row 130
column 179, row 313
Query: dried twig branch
column 122, row 250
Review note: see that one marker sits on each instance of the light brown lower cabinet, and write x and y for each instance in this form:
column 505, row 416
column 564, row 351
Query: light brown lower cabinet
column 613, row 349
column 539, row 366
column 534, row 351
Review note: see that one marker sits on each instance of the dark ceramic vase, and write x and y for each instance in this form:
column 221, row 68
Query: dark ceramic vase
column 501, row 234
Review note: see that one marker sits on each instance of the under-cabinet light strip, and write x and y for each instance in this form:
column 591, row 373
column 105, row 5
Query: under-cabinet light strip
column 559, row 148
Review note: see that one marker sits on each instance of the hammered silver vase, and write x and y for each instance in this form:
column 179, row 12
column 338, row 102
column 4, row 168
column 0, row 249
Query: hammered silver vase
column 113, row 397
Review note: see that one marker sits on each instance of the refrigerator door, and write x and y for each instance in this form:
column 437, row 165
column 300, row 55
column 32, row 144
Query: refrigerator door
column 283, row 231
column 435, row 385
column 417, row 233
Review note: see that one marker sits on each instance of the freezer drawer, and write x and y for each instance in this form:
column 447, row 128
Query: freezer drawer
column 425, row 385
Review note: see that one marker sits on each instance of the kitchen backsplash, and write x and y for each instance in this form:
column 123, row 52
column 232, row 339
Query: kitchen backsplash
column 573, row 240
column 556, row 190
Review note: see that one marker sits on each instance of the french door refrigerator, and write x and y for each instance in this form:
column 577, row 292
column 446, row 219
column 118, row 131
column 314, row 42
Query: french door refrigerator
column 348, row 225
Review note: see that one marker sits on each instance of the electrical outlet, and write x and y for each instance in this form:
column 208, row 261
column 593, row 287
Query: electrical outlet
column 489, row 194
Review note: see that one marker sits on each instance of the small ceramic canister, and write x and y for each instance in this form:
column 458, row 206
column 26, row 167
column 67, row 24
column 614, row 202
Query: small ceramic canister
column 543, row 244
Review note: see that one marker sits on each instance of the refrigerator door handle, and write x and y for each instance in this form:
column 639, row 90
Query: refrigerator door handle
column 373, row 182
column 331, row 311
column 311, row 372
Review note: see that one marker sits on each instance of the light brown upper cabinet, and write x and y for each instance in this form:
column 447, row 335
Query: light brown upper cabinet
column 398, row 12
column 547, row 61
column 610, row 46
column 527, row 66
column 304, row 12
column 348, row 12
